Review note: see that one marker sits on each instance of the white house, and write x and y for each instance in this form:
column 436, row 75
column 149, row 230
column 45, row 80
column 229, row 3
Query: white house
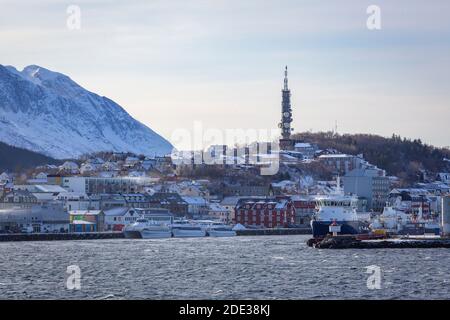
column 118, row 218
column 87, row 167
column 77, row 201
column 5, row 178
column 41, row 176
column 69, row 166
column 306, row 149
column 196, row 205
column 444, row 177
column 131, row 161
column 219, row 212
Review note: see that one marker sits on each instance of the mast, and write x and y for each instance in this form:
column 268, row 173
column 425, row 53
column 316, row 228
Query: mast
column 286, row 110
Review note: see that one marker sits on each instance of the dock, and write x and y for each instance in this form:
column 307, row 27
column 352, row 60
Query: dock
column 60, row 236
column 273, row 232
column 351, row 242
column 120, row 235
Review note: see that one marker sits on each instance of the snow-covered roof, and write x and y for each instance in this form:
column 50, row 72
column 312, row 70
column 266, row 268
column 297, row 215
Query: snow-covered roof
column 216, row 207
column 302, row 145
column 194, row 200
column 81, row 222
column 119, row 211
column 49, row 188
column 331, row 156
column 85, row 212
column 230, row 201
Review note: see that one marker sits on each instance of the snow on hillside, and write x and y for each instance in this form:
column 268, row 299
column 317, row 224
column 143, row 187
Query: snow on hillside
column 47, row 112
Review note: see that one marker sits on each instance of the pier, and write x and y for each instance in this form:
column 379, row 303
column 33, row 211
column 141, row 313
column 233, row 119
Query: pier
column 273, row 232
column 120, row 235
column 351, row 242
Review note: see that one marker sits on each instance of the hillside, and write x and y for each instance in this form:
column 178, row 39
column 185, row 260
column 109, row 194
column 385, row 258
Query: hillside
column 49, row 113
column 402, row 157
column 15, row 159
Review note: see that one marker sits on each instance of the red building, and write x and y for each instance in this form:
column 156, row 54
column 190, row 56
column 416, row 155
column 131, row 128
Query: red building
column 265, row 212
column 305, row 207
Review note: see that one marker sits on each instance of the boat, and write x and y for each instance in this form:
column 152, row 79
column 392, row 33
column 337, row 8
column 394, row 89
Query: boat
column 392, row 221
column 187, row 229
column 338, row 212
column 147, row 229
column 223, row 231
column 395, row 221
column 215, row 228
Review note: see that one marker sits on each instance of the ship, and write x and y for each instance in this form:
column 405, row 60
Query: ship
column 147, row 229
column 338, row 211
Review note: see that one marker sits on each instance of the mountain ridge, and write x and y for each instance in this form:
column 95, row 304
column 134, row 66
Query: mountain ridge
column 47, row 112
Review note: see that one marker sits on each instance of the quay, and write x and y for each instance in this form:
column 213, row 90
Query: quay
column 273, row 232
column 60, row 236
column 351, row 242
column 120, row 235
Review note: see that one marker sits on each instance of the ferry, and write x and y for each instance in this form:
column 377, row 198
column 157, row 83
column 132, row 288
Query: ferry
column 187, row 229
column 216, row 228
column 147, row 229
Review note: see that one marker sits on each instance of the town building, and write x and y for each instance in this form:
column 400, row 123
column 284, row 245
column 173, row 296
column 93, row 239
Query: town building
column 305, row 207
column 171, row 201
column 98, row 185
column 265, row 212
column 369, row 183
column 86, row 220
column 219, row 212
column 118, row 218
column 307, row 150
column 197, row 206
column 49, row 217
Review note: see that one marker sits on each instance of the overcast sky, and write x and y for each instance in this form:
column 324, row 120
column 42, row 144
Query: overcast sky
column 170, row 63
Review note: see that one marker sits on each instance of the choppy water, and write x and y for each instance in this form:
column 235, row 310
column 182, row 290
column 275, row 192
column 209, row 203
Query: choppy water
column 264, row 267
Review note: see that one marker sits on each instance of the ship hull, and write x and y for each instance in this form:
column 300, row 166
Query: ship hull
column 188, row 233
column 221, row 233
column 132, row 234
column 156, row 234
column 148, row 234
column 321, row 228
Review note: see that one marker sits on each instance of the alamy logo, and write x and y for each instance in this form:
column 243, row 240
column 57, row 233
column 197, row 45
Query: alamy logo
column 374, row 19
column 374, row 280
column 74, row 18
column 73, row 281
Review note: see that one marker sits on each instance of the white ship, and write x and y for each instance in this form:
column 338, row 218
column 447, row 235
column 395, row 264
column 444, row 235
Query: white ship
column 187, row 229
column 391, row 220
column 339, row 210
column 147, row 229
column 394, row 220
column 216, row 228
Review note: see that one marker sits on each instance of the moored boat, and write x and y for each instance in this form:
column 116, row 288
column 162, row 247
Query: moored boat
column 338, row 211
column 147, row 229
column 187, row 229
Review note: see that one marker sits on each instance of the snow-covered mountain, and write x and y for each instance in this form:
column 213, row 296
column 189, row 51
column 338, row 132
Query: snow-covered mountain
column 47, row 112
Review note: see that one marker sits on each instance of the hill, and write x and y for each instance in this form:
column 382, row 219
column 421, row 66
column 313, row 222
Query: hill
column 402, row 157
column 16, row 159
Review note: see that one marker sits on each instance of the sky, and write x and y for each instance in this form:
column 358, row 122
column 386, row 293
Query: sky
column 173, row 63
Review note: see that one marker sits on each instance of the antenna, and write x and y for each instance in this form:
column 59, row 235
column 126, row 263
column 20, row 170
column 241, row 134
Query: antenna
column 286, row 79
